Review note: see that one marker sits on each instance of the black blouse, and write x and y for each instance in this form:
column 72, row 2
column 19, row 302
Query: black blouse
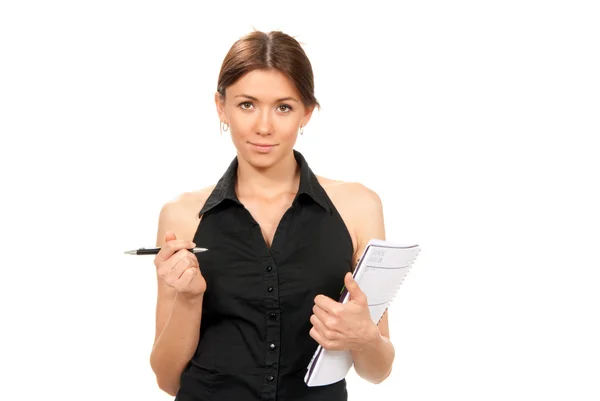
column 254, row 335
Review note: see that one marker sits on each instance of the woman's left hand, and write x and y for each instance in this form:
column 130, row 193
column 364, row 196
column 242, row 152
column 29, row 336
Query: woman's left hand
column 348, row 326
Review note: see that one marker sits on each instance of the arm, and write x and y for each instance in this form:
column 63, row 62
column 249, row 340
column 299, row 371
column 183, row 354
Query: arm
column 373, row 363
column 177, row 316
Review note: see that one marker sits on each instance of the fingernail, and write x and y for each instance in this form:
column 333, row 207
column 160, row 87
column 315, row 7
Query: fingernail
column 193, row 245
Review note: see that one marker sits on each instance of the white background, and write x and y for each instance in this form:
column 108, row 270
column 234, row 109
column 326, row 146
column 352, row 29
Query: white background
column 475, row 121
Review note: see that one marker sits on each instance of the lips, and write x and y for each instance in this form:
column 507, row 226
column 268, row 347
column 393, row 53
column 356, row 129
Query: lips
column 262, row 145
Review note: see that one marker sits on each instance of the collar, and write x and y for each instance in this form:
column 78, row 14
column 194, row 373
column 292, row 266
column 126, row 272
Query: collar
column 225, row 188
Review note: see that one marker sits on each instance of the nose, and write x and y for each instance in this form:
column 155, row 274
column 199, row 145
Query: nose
column 264, row 124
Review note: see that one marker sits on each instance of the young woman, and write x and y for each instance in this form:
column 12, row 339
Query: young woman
column 242, row 321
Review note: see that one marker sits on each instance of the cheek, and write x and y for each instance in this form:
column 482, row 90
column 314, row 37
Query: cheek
column 287, row 129
column 239, row 127
column 236, row 120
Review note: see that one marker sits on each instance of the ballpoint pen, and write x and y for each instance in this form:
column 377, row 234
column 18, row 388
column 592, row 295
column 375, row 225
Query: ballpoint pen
column 154, row 251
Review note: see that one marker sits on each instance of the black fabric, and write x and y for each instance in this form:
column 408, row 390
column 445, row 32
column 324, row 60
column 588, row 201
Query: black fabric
column 254, row 335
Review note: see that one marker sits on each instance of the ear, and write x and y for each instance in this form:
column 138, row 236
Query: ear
column 307, row 115
column 220, row 104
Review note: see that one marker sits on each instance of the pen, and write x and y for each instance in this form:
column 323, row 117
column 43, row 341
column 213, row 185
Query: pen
column 154, row 251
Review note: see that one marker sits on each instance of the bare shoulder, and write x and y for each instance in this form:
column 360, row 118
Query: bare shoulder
column 180, row 214
column 360, row 208
column 351, row 196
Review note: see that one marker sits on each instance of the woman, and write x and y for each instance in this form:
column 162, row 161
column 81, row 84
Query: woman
column 242, row 321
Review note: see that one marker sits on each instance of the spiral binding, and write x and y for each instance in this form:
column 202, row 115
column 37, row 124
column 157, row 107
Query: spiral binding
column 408, row 269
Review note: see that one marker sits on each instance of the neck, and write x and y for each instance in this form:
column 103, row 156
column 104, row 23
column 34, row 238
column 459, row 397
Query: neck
column 280, row 178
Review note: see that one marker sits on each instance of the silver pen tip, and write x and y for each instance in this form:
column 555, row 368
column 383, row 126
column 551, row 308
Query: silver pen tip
column 196, row 250
column 130, row 252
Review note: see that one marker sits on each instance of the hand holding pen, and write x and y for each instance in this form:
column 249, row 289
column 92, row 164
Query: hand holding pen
column 178, row 267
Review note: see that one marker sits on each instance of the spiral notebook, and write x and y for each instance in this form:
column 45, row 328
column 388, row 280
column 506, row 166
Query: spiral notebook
column 379, row 273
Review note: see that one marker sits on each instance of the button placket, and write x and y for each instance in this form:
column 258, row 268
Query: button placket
column 273, row 333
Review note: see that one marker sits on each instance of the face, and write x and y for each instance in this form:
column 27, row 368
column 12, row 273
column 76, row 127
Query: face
column 264, row 112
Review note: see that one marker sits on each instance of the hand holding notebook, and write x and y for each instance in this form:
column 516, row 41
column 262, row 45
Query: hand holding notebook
column 379, row 273
column 348, row 326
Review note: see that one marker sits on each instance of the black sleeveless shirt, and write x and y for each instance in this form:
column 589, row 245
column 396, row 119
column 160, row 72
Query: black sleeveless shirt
column 254, row 334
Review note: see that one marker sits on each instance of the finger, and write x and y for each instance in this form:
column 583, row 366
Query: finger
column 328, row 304
column 323, row 330
column 325, row 343
column 165, row 268
column 170, row 247
column 187, row 276
column 178, row 269
column 184, row 254
column 170, row 236
column 330, row 321
column 320, row 312
column 356, row 293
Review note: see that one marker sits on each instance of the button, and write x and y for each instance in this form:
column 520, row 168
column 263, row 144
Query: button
column 270, row 289
column 270, row 378
column 272, row 315
column 269, row 268
column 272, row 346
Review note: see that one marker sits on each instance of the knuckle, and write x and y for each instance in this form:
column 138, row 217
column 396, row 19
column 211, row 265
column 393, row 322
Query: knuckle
column 162, row 270
column 166, row 272
column 183, row 264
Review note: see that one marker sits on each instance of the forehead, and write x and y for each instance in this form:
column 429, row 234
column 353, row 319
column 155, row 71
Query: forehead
column 264, row 85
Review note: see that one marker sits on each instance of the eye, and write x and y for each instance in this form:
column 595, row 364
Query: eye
column 245, row 105
column 285, row 108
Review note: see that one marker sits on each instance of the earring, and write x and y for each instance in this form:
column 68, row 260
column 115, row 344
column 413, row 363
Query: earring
column 224, row 127
column 301, row 130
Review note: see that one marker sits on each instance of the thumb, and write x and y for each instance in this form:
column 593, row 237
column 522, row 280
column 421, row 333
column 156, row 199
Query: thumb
column 170, row 235
column 356, row 293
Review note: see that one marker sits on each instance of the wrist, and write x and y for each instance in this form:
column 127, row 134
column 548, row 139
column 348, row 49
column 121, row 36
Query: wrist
column 373, row 339
column 189, row 299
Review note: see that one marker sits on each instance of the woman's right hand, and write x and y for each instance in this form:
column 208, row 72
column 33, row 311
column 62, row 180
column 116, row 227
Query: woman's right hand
column 179, row 267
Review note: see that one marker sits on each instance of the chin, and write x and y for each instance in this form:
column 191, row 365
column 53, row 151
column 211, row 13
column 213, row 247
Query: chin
column 260, row 162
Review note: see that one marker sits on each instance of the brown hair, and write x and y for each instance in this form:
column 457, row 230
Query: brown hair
column 269, row 51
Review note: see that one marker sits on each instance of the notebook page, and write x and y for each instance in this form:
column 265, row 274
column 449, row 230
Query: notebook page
column 383, row 269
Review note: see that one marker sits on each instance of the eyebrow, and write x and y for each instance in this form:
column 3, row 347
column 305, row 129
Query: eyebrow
column 278, row 100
